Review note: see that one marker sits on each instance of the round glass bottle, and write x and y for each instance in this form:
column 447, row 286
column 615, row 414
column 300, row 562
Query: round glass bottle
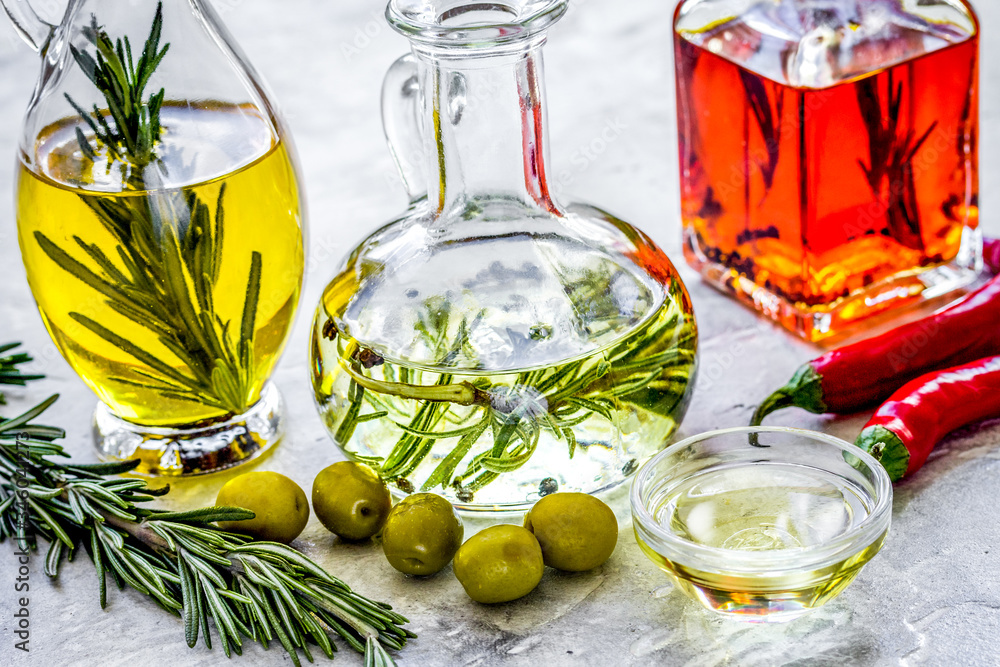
column 161, row 229
column 492, row 344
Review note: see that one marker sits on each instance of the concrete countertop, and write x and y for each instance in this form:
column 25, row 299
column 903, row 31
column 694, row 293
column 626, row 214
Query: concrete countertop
column 930, row 598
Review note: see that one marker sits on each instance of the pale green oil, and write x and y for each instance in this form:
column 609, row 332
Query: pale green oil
column 591, row 365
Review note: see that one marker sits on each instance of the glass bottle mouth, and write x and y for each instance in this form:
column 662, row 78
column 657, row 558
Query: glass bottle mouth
column 468, row 23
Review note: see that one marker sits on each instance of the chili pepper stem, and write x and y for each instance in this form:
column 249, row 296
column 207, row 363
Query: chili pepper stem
column 804, row 390
column 887, row 448
column 877, row 451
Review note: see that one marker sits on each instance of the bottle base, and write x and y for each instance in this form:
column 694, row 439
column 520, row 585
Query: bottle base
column 851, row 315
column 193, row 449
column 531, row 491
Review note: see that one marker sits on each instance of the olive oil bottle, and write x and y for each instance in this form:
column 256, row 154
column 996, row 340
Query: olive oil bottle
column 161, row 228
column 492, row 343
column 77, row 267
column 496, row 406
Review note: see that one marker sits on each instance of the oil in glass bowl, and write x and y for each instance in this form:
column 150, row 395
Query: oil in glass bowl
column 762, row 534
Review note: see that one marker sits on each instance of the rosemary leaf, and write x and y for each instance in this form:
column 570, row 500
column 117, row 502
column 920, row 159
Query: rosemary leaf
column 571, row 439
column 95, row 554
column 346, row 429
column 205, row 515
column 446, row 469
column 250, row 308
column 99, row 469
column 438, row 435
column 371, row 416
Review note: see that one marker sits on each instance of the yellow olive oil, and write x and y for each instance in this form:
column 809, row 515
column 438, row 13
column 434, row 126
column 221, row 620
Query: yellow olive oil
column 762, row 508
column 173, row 298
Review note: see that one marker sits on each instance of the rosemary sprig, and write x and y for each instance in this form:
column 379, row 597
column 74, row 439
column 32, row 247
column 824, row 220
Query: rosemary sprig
column 892, row 147
column 768, row 120
column 259, row 591
column 136, row 128
column 168, row 259
column 10, row 374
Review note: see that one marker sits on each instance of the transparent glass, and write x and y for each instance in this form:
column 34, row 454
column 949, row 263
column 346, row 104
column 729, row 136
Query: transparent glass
column 161, row 227
column 492, row 344
column 762, row 532
column 828, row 153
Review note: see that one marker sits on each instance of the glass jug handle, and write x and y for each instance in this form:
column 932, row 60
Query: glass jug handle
column 401, row 122
column 28, row 24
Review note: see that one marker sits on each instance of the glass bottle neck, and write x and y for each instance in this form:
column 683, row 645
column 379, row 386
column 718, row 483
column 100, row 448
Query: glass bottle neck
column 484, row 130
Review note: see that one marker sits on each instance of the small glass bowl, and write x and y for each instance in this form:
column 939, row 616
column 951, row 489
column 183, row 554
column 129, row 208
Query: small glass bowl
column 761, row 533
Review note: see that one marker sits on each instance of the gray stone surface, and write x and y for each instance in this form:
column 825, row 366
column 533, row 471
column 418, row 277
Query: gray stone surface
column 930, row 598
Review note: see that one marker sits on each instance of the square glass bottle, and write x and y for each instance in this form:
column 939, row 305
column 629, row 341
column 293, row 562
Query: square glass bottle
column 828, row 153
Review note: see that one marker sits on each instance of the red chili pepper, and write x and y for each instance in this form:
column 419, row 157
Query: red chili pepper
column 991, row 254
column 915, row 418
column 863, row 374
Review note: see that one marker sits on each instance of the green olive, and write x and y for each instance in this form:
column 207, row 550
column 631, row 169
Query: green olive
column 421, row 534
column 499, row 564
column 576, row 531
column 351, row 500
column 280, row 505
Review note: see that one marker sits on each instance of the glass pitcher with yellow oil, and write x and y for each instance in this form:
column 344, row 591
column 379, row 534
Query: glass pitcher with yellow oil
column 494, row 344
column 161, row 228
